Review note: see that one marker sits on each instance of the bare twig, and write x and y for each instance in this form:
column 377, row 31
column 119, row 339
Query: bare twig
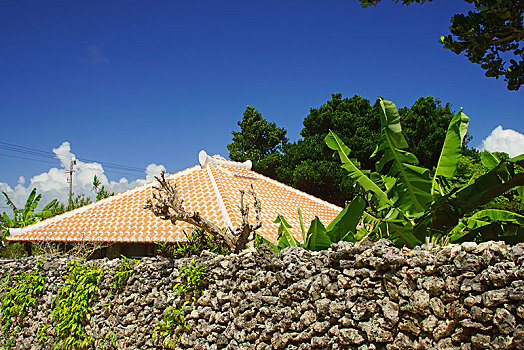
column 45, row 248
column 84, row 249
column 242, row 232
column 167, row 205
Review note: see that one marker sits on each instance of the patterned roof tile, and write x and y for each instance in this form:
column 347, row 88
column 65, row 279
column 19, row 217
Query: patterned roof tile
column 213, row 190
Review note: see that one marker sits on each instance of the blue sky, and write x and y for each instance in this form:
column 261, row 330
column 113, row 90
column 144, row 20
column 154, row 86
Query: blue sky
column 136, row 83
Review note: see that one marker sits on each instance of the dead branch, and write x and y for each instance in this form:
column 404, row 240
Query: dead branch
column 242, row 232
column 168, row 206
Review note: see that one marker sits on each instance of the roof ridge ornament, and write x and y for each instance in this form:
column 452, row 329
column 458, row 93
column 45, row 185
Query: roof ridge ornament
column 206, row 159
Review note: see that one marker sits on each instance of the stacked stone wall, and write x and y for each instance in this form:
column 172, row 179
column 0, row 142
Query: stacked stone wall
column 368, row 296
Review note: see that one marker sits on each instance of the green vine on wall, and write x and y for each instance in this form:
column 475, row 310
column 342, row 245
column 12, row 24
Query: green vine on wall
column 73, row 306
column 122, row 273
column 19, row 292
column 173, row 323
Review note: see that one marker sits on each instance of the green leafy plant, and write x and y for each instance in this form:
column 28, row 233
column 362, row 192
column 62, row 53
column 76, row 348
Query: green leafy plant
column 173, row 323
column 110, row 339
column 100, row 190
column 414, row 207
column 196, row 242
column 122, row 273
column 319, row 237
column 73, row 305
column 19, row 292
column 24, row 216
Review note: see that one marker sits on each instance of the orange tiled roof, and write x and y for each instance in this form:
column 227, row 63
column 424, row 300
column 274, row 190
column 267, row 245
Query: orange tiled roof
column 211, row 188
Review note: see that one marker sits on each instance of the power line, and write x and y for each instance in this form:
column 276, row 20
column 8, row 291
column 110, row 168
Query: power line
column 39, row 153
column 27, row 150
column 36, row 160
column 54, row 163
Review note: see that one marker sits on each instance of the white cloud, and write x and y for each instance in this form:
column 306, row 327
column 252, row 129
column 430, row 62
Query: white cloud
column 153, row 170
column 503, row 140
column 95, row 56
column 54, row 183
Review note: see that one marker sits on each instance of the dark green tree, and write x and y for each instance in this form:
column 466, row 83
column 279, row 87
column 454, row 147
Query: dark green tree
column 470, row 168
column 424, row 126
column 258, row 141
column 492, row 36
column 308, row 164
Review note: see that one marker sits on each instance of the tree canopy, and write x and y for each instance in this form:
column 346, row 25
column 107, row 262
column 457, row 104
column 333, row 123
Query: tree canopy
column 309, row 165
column 259, row 141
column 492, row 36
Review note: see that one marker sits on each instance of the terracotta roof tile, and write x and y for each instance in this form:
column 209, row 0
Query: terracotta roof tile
column 213, row 191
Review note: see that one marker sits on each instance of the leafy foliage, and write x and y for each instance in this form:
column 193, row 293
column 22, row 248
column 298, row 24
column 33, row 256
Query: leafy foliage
column 414, row 208
column 258, row 141
column 73, row 306
column 470, row 168
column 173, row 323
column 22, row 217
column 491, row 36
column 308, row 164
column 27, row 215
column 19, row 292
column 319, row 237
column 122, row 273
column 425, row 125
column 489, row 224
column 101, row 191
column 196, row 241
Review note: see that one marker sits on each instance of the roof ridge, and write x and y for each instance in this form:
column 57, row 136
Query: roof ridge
column 225, row 196
column 206, row 159
column 220, row 199
column 95, row 204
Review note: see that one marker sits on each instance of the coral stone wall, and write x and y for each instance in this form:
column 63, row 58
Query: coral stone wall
column 368, row 296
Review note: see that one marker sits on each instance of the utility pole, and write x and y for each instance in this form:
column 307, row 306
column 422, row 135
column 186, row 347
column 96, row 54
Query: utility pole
column 70, row 180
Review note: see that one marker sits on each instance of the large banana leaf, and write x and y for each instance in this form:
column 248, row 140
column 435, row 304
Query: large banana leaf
column 9, row 202
column 302, row 228
column 285, row 238
column 490, row 224
column 518, row 159
column 7, row 220
column 343, row 227
column 335, row 143
column 317, row 236
column 29, row 215
column 401, row 232
column 413, row 182
column 446, row 211
column 262, row 240
column 420, row 184
column 48, row 210
column 488, row 186
column 489, row 160
column 30, row 204
column 451, row 150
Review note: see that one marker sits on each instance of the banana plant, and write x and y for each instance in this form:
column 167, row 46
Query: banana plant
column 27, row 215
column 318, row 236
column 489, row 224
column 414, row 207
